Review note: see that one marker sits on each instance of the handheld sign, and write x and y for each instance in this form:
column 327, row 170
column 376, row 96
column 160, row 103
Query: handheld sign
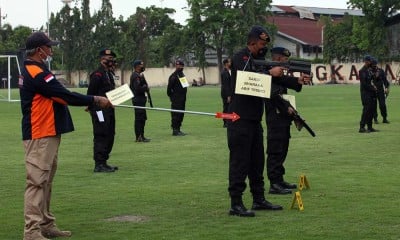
column 120, row 94
column 253, row 84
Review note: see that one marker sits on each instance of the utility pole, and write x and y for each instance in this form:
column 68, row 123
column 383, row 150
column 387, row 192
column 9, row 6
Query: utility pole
column 2, row 17
column 48, row 20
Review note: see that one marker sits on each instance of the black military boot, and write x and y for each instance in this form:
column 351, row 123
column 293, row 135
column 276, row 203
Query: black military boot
column 177, row 132
column 103, row 168
column 277, row 188
column 141, row 138
column 260, row 203
column 385, row 120
column 238, row 208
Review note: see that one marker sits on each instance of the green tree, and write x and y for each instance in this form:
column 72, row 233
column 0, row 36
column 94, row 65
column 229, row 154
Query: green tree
column 369, row 32
column 13, row 40
column 338, row 44
column 150, row 35
column 222, row 25
column 105, row 31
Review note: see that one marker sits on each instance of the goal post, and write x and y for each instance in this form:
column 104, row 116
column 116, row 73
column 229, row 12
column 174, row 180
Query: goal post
column 9, row 71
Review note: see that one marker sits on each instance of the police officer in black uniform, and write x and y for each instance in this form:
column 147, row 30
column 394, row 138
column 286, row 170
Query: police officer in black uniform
column 368, row 96
column 278, row 119
column 139, row 87
column 103, row 119
column 177, row 94
column 382, row 90
column 245, row 135
column 226, row 90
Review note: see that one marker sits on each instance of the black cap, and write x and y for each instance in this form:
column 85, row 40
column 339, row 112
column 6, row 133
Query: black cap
column 368, row 58
column 179, row 62
column 137, row 63
column 260, row 33
column 38, row 39
column 107, row 52
column 281, row 50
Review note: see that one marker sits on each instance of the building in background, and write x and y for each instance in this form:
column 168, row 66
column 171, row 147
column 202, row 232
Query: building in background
column 299, row 29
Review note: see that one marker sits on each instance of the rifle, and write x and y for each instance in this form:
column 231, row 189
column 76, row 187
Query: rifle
column 301, row 66
column 298, row 120
column 149, row 97
column 300, row 123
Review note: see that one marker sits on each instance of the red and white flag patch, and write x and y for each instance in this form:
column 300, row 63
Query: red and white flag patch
column 49, row 77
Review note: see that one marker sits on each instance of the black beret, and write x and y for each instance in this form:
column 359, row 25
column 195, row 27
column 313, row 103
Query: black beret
column 367, row 58
column 259, row 32
column 179, row 62
column 280, row 50
column 38, row 39
column 137, row 63
column 107, row 52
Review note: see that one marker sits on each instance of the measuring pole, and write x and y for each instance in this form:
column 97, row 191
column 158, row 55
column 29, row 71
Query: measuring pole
column 232, row 116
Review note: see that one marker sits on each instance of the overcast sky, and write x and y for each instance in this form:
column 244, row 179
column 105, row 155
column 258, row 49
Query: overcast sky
column 33, row 13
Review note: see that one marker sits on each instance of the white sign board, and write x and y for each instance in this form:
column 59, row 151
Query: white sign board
column 120, row 94
column 253, row 84
column 184, row 82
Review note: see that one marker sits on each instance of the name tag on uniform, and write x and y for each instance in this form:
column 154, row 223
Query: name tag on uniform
column 184, row 82
column 100, row 116
column 253, row 84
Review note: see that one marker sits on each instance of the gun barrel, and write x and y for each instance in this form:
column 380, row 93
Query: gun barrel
column 302, row 66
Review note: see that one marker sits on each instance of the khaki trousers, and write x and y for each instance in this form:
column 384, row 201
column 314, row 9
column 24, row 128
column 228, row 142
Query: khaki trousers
column 41, row 157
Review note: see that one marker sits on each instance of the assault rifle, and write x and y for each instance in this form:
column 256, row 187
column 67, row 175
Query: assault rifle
column 301, row 66
column 149, row 97
column 282, row 106
column 300, row 123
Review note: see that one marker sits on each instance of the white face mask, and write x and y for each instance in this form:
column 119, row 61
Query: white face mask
column 48, row 57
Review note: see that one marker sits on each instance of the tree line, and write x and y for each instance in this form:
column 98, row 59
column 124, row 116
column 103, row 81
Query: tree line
column 221, row 26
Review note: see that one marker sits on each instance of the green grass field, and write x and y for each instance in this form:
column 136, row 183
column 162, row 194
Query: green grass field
column 176, row 187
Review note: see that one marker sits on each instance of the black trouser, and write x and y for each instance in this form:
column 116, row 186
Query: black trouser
column 140, row 116
column 103, row 135
column 177, row 118
column 369, row 104
column 225, row 106
column 382, row 105
column 277, row 149
column 246, row 158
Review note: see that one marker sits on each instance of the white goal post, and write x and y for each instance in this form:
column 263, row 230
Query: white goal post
column 6, row 81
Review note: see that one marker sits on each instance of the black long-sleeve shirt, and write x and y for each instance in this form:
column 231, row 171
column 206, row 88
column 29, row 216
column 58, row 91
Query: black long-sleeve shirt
column 138, row 84
column 44, row 102
column 226, row 89
column 247, row 107
column 175, row 91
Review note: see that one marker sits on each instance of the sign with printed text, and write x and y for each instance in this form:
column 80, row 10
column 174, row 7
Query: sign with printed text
column 120, row 94
column 253, row 84
column 184, row 82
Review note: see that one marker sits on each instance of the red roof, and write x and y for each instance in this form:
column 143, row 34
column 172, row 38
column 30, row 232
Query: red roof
column 305, row 30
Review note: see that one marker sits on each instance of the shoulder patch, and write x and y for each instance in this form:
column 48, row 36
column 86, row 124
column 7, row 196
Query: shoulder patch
column 33, row 70
column 20, row 81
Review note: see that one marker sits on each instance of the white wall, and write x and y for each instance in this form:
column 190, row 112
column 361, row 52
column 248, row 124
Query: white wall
column 343, row 73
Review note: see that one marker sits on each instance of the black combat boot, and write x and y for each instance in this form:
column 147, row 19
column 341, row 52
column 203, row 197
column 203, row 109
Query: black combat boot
column 260, row 203
column 238, row 208
column 177, row 132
